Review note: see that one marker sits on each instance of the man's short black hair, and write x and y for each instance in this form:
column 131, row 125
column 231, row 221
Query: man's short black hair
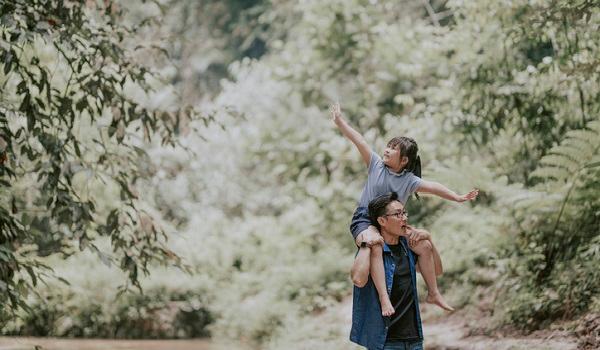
column 377, row 207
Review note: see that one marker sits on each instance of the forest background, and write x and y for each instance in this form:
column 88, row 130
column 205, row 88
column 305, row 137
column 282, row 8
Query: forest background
column 183, row 148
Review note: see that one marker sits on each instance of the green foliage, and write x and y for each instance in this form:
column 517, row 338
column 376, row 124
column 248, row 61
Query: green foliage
column 204, row 37
column 75, row 109
column 555, row 271
column 89, row 307
column 154, row 314
column 532, row 70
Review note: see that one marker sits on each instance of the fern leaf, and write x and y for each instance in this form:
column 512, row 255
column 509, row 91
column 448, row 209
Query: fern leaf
column 574, row 152
column 589, row 136
column 558, row 160
column 581, row 145
column 594, row 125
column 579, row 150
column 557, row 173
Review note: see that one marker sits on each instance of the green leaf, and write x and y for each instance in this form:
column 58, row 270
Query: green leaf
column 31, row 274
column 22, row 87
column 593, row 165
column 81, row 104
column 76, row 147
column 105, row 259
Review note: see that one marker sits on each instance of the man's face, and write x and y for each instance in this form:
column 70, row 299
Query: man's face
column 395, row 219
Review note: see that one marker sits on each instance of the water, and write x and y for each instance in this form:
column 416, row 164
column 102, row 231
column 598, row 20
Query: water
column 22, row 343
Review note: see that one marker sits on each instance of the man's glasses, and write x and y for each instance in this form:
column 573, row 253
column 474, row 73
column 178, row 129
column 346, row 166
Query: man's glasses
column 399, row 214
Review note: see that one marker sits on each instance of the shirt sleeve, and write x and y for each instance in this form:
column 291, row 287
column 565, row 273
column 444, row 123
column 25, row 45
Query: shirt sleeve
column 413, row 183
column 374, row 162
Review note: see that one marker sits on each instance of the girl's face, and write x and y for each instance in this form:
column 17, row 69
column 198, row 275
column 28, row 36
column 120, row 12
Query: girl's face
column 393, row 158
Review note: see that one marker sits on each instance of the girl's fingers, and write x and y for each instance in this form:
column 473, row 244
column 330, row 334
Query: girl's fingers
column 334, row 110
column 471, row 195
column 413, row 236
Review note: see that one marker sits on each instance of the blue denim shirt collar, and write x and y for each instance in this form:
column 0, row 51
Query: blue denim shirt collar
column 369, row 327
column 386, row 248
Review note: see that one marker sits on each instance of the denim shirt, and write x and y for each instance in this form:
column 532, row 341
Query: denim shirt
column 369, row 327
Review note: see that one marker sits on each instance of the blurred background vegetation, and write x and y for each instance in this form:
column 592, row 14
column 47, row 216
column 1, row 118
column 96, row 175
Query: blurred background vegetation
column 182, row 148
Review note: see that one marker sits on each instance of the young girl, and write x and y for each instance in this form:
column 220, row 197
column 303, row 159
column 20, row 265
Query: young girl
column 398, row 171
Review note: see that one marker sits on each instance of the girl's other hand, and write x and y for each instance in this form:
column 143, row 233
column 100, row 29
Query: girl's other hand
column 372, row 237
column 415, row 235
column 469, row 196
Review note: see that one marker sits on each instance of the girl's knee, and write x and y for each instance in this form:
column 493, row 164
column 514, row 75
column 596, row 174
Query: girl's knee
column 423, row 247
column 427, row 245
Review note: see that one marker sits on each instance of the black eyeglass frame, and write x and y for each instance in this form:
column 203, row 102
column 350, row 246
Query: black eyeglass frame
column 398, row 214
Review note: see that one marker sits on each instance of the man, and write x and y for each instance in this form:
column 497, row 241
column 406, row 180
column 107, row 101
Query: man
column 401, row 330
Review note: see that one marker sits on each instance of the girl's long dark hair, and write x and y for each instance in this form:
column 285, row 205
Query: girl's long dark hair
column 408, row 148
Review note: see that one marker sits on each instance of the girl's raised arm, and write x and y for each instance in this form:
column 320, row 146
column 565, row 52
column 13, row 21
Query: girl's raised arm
column 443, row 192
column 351, row 134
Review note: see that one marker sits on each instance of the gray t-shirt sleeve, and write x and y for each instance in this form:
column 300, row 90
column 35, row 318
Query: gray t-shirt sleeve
column 413, row 183
column 374, row 162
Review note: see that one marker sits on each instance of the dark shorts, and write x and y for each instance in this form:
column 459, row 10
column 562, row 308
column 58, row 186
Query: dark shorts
column 360, row 221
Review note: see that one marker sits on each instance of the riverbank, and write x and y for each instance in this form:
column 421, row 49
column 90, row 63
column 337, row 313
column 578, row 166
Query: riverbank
column 442, row 332
column 27, row 343
column 457, row 331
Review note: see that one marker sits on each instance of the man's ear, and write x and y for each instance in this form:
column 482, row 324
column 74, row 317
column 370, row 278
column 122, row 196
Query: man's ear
column 381, row 220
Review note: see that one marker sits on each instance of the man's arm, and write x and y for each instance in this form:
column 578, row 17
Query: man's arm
column 361, row 266
column 351, row 134
column 443, row 192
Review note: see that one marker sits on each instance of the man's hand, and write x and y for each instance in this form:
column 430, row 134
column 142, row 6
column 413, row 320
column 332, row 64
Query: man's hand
column 415, row 235
column 372, row 236
column 335, row 111
column 469, row 196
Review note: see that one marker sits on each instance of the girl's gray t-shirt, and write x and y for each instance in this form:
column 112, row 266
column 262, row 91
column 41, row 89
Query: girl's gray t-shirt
column 382, row 180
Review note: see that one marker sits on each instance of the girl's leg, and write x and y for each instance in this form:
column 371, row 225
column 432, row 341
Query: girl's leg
column 377, row 272
column 378, row 275
column 439, row 269
column 425, row 250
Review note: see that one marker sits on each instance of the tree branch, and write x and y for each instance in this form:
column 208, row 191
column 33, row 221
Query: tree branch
column 431, row 13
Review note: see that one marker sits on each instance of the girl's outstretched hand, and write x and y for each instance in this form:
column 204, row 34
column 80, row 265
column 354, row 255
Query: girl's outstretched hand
column 335, row 111
column 469, row 196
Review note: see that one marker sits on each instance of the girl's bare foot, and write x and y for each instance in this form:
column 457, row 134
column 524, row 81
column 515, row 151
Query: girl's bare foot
column 386, row 307
column 438, row 300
